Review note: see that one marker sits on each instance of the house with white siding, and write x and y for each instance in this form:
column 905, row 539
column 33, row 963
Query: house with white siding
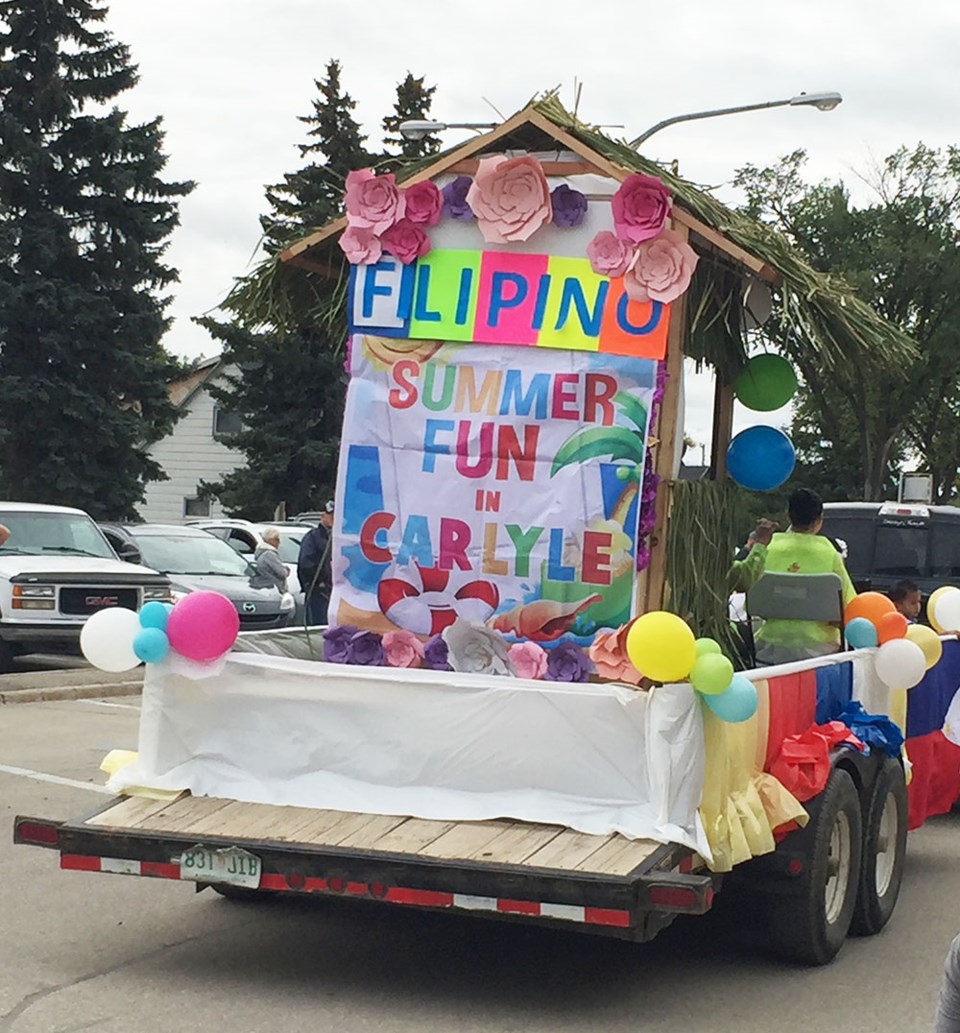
column 194, row 450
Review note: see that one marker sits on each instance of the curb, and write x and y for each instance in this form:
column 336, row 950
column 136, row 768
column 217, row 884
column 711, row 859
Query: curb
column 61, row 692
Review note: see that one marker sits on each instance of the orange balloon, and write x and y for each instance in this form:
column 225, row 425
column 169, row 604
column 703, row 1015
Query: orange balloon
column 891, row 626
column 872, row 605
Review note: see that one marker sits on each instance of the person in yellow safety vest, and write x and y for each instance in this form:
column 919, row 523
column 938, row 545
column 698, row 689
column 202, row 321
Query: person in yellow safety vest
column 801, row 549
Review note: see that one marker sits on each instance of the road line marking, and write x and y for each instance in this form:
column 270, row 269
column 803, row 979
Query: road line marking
column 42, row 776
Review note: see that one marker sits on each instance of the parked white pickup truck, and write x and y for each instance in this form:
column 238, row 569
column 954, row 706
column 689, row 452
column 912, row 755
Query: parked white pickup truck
column 56, row 569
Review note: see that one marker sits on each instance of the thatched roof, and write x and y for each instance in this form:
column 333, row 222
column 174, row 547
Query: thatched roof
column 307, row 281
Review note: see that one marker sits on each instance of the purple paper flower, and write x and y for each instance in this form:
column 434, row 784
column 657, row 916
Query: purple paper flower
column 435, row 651
column 643, row 556
column 455, row 199
column 568, row 662
column 569, row 206
column 336, row 643
column 366, row 649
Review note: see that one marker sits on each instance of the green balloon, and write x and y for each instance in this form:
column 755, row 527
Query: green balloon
column 767, row 382
column 707, row 645
column 711, row 674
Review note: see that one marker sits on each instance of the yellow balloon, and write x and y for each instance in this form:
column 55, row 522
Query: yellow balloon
column 932, row 606
column 928, row 641
column 661, row 646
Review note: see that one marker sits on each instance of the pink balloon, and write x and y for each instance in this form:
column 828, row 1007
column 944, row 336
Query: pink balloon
column 203, row 625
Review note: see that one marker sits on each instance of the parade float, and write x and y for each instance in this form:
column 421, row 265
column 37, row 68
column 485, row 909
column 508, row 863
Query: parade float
column 528, row 699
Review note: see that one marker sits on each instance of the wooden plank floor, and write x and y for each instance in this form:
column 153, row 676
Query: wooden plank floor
column 501, row 841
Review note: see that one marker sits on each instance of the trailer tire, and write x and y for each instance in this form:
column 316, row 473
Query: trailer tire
column 884, row 850
column 810, row 925
column 6, row 657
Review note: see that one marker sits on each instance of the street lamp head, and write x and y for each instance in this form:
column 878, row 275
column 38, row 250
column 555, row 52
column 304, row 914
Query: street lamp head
column 418, row 128
column 820, row 101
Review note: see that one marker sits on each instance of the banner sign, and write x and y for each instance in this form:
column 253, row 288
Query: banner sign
column 496, row 484
column 501, row 297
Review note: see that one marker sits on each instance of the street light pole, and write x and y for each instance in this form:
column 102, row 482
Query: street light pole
column 821, row 101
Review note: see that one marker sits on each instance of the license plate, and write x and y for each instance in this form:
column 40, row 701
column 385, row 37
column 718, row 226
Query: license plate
column 232, row 865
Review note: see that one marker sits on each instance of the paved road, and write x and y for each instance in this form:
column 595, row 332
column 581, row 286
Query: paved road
column 123, row 955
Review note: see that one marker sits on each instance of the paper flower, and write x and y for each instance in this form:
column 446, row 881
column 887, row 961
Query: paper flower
column 403, row 649
column 455, row 199
column 475, row 649
column 609, row 255
column 366, row 649
column 336, row 643
column 569, row 206
column 528, row 660
column 567, row 662
column 640, row 208
column 406, row 241
column 423, row 203
column 362, row 247
column 609, row 655
column 661, row 270
column 373, row 202
column 435, row 654
column 510, row 198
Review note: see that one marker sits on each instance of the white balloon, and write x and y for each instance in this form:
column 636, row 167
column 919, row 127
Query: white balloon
column 106, row 640
column 900, row 664
column 946, row 612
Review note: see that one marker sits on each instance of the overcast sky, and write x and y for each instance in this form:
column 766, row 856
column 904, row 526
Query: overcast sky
column 230, row 78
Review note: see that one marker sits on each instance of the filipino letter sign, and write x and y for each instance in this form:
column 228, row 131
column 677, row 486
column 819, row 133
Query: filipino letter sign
column 502, row 297
column 496, row 484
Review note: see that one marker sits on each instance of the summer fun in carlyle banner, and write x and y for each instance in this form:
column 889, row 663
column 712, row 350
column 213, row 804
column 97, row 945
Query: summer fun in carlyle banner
column 499, row 484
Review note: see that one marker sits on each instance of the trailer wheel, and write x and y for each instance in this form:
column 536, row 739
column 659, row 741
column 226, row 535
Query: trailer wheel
column 810, row 925
column 6, row 657
column 884, row 850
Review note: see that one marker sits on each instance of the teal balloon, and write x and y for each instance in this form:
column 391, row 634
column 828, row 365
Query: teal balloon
column 738, row 703
column 767, row 382
column 761, row 458
column 861, row 633
column 154, row 614
column 151, row 645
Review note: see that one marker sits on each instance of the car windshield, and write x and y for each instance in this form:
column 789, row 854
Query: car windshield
column 290, row 545
column 51, row 534
column 190, row 554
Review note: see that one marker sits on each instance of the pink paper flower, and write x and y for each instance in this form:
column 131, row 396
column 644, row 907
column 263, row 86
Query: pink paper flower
column 406, row 240
column 510, row 198
column 528, row 660
column 373, row 202
column 403, row 649
column 661, row 270
column 609, row 255
column 609, row 655
column 362, row 247
column 424, row 203
column 640, row 208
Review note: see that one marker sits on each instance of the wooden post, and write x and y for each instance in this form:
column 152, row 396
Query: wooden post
column 651, row 583
column 722, row 429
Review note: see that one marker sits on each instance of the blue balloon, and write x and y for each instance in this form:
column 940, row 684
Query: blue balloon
column 761, row 458
column 737, row 703
column 154, row 614
column 151, row 645
column 861, row 634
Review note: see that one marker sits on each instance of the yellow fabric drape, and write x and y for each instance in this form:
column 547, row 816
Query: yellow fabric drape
column 741, row 804
column 117, row 759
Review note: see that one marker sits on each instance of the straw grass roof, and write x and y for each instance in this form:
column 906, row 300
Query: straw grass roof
column 306, row 283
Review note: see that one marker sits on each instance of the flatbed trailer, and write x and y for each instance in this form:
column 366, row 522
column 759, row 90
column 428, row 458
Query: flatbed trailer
column 608, row 885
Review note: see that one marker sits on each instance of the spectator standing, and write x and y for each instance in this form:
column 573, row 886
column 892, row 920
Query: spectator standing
column 314, row 566
column 271, row 570
column 948, row 1006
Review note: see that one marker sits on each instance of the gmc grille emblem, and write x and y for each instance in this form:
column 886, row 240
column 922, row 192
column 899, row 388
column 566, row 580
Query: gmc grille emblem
column 249, row 608
column 101, row 600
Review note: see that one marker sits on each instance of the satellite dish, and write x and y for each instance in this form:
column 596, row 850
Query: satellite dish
column 757, row 303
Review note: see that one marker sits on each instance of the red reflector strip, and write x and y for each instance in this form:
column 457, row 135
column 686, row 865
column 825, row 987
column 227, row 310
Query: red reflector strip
column 79, row 863
column 606, row 916
column 419, row 898
column 519, row 907
column 159, row 870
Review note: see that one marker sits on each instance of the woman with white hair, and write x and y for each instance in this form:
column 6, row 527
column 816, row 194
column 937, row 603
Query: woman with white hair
column 271, row 570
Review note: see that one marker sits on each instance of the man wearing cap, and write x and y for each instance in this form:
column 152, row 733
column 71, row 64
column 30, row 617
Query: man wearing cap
column 314, row 565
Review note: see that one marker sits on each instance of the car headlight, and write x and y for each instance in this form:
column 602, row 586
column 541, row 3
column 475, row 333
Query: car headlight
column 177, row 594
column 286, row 602
column 161, row 593
column 34, row 597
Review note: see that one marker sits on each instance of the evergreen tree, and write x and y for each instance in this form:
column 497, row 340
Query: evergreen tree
column 413, row 102
column 84, row 221
column 289, row 388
